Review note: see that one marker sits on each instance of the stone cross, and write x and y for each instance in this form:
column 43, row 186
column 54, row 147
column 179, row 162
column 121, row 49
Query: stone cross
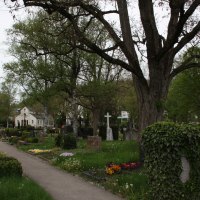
column 109, row 135
column 108, row 116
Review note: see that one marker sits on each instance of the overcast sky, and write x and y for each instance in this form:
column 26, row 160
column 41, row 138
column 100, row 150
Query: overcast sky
column 6, row 21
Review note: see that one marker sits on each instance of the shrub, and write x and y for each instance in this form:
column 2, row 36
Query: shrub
column 10, row 167
column 85, row 132
column 102, row 132
column 164, row 144
column 13, row 140
column 71, row 165
column 11, row 132
column 52, row 131
column 27, row 128
column 115, row 131
column 69, row 141
column 58, row 140
column 35, row 140
column 32, row 140
column 25, row 134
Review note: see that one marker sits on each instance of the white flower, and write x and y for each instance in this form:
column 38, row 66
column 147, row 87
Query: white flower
column 66, row 154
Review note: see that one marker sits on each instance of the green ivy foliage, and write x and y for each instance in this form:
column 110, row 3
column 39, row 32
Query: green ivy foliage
column 164, row 143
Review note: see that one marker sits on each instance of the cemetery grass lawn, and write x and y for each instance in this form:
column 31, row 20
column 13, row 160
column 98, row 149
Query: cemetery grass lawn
column 91, row 165
column 48, row 143
column 21, row 188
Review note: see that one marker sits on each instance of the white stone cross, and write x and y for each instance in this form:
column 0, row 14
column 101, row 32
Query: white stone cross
column 108, row 116
column 109, row 134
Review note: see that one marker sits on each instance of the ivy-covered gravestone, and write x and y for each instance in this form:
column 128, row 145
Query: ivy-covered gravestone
column 172, row 161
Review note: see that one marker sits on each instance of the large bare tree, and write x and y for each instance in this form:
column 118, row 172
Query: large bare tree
column 130, row 38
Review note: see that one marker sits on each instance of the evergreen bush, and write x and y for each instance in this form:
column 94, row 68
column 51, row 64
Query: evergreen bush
column 10, row 167
column 69, row 141
column 58, row 140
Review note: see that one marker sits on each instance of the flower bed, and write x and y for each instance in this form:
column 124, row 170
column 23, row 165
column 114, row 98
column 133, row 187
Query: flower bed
column 38, row 151
column 66, row 154
column 112, row 168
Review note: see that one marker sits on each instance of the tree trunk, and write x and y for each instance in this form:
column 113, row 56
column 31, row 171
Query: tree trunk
column 45, row 119
column 45, row 107
column 150, row 111
column 74, row 111
column 7, row 123
column 95, row 120
column 150, row 101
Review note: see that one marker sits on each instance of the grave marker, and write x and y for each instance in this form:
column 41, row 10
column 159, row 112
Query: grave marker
column 109, row 134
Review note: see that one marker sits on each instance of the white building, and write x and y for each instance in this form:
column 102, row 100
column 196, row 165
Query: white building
column 28, row 117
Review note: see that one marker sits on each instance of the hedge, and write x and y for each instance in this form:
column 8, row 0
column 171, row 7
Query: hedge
column 12, row 132
column 10, row 166
column 164, row 144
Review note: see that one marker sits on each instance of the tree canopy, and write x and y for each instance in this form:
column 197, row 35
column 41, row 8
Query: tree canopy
column 138, row 40
column 183, row 101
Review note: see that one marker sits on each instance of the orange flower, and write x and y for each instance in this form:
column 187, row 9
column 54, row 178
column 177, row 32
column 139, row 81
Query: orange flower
column 116, row 168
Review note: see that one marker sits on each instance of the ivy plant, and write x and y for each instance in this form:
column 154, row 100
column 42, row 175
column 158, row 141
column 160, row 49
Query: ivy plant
column 164, row 144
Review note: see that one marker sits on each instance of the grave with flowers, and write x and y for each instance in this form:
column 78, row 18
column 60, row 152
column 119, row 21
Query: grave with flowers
column 113, row 168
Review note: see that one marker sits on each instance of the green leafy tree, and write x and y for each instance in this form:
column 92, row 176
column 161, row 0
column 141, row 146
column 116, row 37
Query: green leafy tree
column 98, row 87
column 127, row 100
column 138, row 39
column 183, row 102
column 42, row 66
column 7, row 101
column 52, row 64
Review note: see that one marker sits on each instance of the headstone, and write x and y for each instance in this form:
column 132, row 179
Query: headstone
column 185, row 174
column 124, row 115
column 109, row 134
column 94, row 142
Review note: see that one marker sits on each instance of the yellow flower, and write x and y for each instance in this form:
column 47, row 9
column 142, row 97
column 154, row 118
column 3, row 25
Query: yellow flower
column 109, row 171
column 37, row 151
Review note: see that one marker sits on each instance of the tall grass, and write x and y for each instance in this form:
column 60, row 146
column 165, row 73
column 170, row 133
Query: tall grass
column 16, row 188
